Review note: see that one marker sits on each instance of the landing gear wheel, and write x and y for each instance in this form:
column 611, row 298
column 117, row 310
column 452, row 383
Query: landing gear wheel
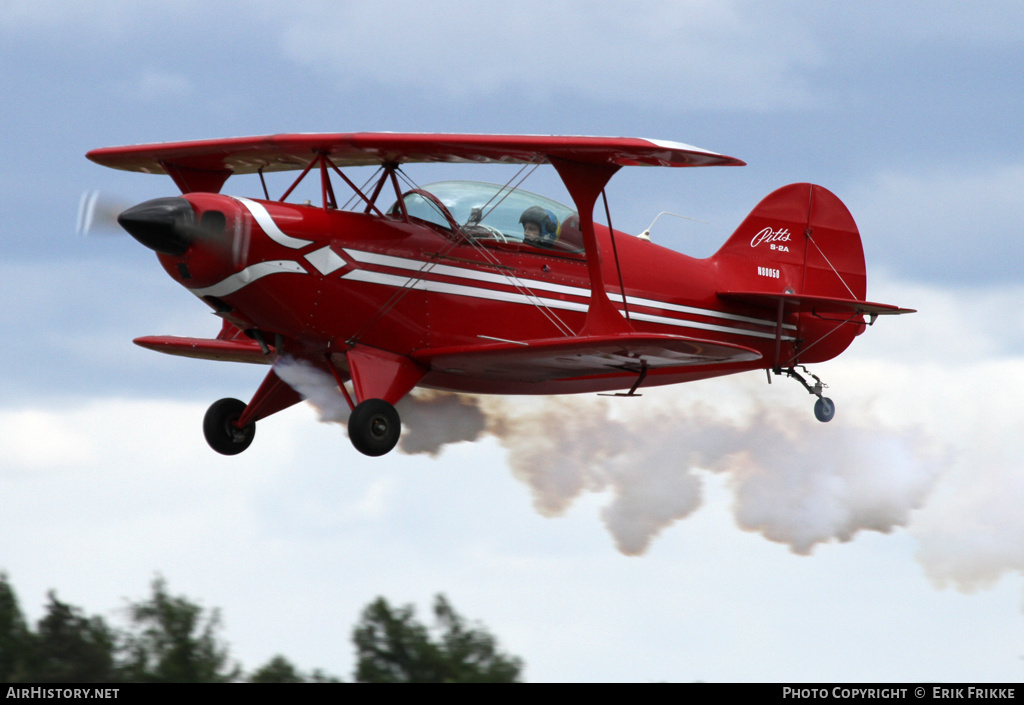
column 824, row 409
column 220, row 430
column 374, row 427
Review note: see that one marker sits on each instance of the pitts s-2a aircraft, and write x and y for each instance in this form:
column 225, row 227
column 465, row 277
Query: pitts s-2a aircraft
column 479, row 288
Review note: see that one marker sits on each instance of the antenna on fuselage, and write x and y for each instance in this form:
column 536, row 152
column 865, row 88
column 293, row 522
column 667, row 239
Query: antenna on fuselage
column 646, row 234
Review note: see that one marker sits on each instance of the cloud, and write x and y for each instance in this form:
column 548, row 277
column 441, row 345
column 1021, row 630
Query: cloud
column 945, row 23
column 99, row 19
column 698, row 54
column 155, row 84
column 944, row 225
column 37, row 439
column 953, row 328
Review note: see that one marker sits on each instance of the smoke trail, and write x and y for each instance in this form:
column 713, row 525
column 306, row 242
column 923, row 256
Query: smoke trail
column 316, row 386
column 973, row 532
column 817, row 483
column 434, row 419
column 430, row 420
column 796, row 481
column 975, row 536
column 572, row 445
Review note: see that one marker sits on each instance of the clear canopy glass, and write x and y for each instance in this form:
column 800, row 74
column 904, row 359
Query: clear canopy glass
column 491, row 212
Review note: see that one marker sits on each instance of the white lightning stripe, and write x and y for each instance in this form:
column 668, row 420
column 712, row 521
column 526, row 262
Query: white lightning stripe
column 262, row 217
column 362, row 275
column 652, row 303
column 248, row 275
column 704, row 326
column 462, row 272
column 534, row 284
column 398, row 280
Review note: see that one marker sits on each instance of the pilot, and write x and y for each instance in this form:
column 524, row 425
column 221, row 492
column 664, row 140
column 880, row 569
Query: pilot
column 540, row 227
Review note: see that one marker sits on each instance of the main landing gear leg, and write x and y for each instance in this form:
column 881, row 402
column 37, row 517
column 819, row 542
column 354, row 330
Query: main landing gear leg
column 824, row 408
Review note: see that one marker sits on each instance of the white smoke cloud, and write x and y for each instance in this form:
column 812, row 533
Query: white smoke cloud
column 812, row 483
column 316, row 386
column 566, row 446
column 973, row 536
column 430, row 420
column 796, row 481
column 434, row 419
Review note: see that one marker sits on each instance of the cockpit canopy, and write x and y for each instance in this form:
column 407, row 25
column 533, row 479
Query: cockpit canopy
column 485, row 211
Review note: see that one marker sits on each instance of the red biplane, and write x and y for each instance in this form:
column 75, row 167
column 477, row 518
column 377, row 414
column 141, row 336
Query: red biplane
column 481, row 288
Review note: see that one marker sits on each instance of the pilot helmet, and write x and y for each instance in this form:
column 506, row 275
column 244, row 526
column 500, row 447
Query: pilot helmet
column 544, row 219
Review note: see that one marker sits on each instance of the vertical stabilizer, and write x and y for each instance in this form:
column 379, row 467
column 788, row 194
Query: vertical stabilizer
column 800, row 239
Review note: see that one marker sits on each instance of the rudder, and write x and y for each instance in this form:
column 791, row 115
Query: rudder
column 800, row 239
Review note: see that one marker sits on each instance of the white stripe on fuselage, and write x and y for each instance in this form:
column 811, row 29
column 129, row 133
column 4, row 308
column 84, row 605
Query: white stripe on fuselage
column 399, row 280
column 265, row 221
column 538, row 285
column 438, row 287
column 250, row 274
column 461, row 272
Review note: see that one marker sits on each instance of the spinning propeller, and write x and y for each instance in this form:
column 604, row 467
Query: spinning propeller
column 168, row 225
column 97, row 213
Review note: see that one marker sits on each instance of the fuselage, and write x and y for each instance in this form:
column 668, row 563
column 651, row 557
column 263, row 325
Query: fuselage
column 313, row 282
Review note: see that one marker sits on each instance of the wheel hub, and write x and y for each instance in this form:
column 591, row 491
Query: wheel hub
column 379, row 427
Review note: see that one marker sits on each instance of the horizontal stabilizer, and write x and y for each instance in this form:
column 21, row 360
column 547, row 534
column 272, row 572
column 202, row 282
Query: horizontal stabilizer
column 815, row 304
column 206, row 348
column 580, row 357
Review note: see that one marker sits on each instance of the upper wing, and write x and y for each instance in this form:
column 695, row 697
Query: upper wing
column 580, row 357
column 247, row 155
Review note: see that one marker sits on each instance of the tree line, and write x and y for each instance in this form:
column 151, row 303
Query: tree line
column 171, row 639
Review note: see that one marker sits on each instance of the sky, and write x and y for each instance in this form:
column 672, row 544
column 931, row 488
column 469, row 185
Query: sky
column 708, row 532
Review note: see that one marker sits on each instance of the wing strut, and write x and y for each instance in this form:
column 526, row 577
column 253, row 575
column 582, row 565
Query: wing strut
column 585, row 182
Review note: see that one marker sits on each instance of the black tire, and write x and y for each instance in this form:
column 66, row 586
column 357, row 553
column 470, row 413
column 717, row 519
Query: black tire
column 824, row 409
column 220, row 430
column 374, row 427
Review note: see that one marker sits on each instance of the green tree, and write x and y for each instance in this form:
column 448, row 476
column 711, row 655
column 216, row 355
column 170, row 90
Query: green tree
column 172, row 640
column 69, row 647
column 277, row 670
column 14, row 636
column 393, row 647
column 280, row 670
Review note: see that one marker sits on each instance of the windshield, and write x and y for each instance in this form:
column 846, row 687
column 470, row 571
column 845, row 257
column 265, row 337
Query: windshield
column 492, row 212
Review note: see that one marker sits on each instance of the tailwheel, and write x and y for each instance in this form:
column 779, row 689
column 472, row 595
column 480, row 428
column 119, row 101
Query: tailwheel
column 824, row 409
column 221, row 431
column 374, row 427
